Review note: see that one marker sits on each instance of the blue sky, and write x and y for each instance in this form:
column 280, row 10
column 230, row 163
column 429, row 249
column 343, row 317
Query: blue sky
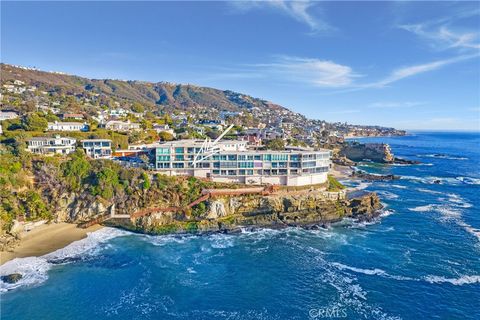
column 412, row 65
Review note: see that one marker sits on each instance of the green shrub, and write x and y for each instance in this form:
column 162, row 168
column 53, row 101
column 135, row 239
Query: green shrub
column 334, row 185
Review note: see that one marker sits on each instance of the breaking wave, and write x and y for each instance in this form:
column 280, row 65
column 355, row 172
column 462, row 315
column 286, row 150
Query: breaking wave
column 450, row 209
column 442, row 156
column 455, row 281
column 465, row 279
column 444, row 180
column 34, row 270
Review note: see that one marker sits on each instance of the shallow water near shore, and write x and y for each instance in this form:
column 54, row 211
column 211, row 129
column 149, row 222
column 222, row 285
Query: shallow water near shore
column 420, row 259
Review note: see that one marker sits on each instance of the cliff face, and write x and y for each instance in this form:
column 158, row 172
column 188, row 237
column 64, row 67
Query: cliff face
column 230, row 213
column 376, row 152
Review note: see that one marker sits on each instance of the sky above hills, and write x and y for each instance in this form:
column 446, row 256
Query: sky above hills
column 411, row 65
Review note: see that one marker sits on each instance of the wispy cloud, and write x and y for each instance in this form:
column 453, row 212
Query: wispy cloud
column 331, row 75
column 395, row 105
column 413, row 70
column 316, row 72
column 449, row 31
column 443, row 37
column 298, row 10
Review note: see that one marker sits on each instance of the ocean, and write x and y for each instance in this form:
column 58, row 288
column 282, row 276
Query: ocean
column 419, row 260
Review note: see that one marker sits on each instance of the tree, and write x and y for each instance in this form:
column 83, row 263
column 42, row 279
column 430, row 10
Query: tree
column 137, row 107
column 146, row 181
column 165, row 136
column 33, row 206
column 105, row 183
column 75, row 170
column 35, row 122
column 275, row 144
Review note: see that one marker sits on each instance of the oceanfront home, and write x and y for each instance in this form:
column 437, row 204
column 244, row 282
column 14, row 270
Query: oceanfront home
column 232, row 161
column 8, row 115
column 67, row 126
column 56, row 145
column 97, row 148
column 121, row 126
column 163, row 128
column 76, row 116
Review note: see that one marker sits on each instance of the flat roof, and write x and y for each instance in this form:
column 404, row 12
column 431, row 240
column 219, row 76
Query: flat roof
column 49, row 138
column 67, row 123
column 96, row 140
column 196, row 142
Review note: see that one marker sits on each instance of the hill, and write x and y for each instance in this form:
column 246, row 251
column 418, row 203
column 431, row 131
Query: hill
column 163, row 94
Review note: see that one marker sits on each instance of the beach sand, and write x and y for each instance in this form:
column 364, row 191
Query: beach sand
column 341, row 172
column 45, row 239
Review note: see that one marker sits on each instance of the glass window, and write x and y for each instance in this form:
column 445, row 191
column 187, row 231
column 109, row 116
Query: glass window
column 178, row 150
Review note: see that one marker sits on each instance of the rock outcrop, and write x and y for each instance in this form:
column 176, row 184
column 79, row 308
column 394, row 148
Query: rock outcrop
column 376, row 152
column 11, row 278
column 229, row 214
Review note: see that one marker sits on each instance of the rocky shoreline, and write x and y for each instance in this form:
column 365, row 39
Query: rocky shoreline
column 232, row 214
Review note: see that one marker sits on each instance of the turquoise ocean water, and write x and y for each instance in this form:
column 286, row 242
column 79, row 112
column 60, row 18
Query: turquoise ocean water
column 419, row 260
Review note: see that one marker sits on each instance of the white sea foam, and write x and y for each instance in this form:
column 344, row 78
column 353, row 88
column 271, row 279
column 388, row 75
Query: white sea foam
column 387, row 194
column 371, row 272
column 455, row 181
column 450, row 210
column 426, row 208
column 466, row 279
column 398, row 186
column 34, row 270
column 161, row 240
column 386, row 212
column 362, row 186
column 442, row 156
column 429, row 191
column 221, row 241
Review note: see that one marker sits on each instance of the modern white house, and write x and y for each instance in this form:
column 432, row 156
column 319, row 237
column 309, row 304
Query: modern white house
column 122, row 126
column 50, row 146
column 97, row 148
column 163, row 128
column 67, row 126
column 232, row 161
column 8, row 115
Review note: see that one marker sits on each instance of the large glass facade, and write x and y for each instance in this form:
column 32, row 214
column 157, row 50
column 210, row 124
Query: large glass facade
column 242, row 163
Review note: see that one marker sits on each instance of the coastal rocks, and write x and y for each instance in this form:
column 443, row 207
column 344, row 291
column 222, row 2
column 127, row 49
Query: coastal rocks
column 217, row 210
column 8, row 242
column 230, row 214
column 72, row 207
column 376, row 152
column 11, row 278
column 373, row 177
column 405, row 161
column 365, row 207
column 16, row 228
column 344, row 161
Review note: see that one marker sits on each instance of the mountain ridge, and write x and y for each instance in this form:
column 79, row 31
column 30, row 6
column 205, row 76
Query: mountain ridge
column 163, row 93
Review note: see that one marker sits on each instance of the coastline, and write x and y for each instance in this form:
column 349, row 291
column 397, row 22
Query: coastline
column 341, row 172
column 46, row 239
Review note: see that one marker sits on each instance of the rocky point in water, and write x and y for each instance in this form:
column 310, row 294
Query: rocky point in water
column 11, row 278
column 232, row 213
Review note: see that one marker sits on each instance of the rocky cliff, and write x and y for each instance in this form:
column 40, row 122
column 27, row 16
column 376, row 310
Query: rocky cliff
column 376, row 152
column 227, row 214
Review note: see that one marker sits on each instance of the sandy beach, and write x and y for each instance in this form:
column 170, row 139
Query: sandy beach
column 45, row 239
column 341, row 172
